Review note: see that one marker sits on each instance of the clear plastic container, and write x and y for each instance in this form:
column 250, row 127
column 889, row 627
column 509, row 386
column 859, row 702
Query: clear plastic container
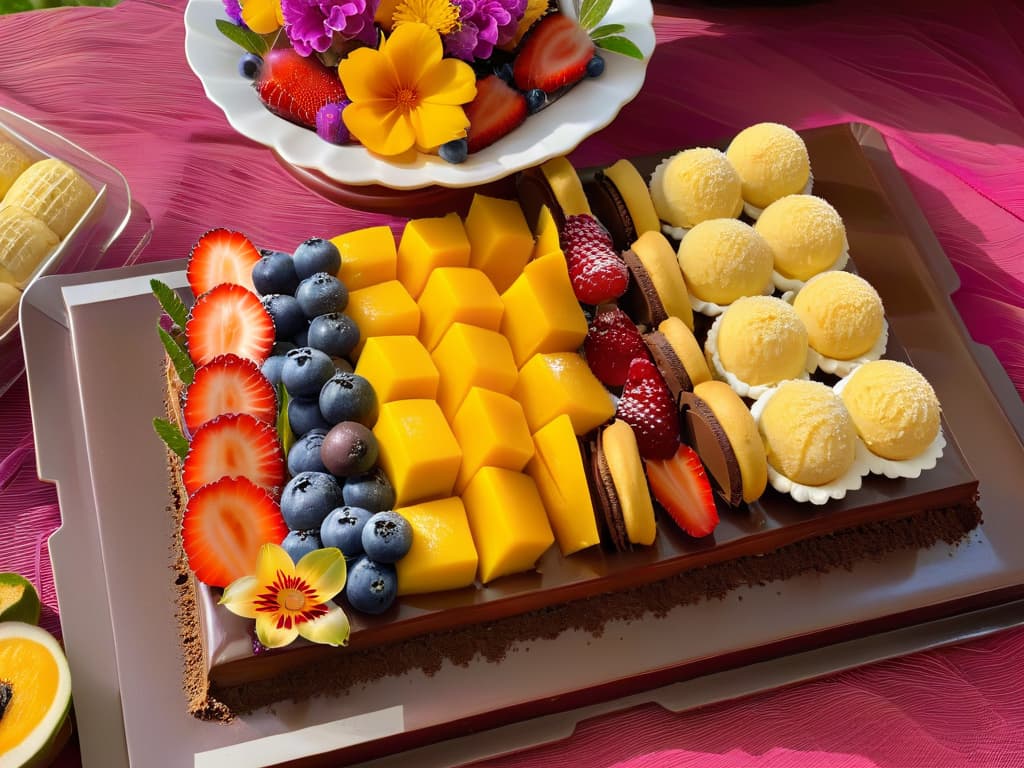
column 104, row 223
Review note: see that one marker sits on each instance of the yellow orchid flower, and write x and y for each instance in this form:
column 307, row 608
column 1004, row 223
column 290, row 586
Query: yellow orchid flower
column 405, row 94
column 263, row 17
column 290, row 599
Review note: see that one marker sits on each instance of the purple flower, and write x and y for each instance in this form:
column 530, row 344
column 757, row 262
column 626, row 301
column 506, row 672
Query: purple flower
column 312, row 24
column 483, row 24
column 234, row 11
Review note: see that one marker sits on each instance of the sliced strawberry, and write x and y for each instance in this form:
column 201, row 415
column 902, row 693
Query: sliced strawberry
column 647, row 406
column 295, row 87
column 221, row 256
column 224, row 525
column 612, row 343
column 597, row 273
column 681, row 486
column 555, row 55
column 495, row 112
column 229, row 384
column 234, row 445
column 229, row 319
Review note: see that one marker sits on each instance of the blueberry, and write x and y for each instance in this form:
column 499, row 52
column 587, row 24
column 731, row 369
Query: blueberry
column 271, row 368
column 316, row 255
column 304, row 416
column 305, row 372
column 504, row 71
column 304, row 455
column 536, row 100
column 372, row 491
column 387, row 537
column 335, row 333
column 329, row 125
column 301, row 339
column 274, row 273
column 299, row 543
column 308, row 498
column 595, row 67
column 371, row 587
column 454, row 151
column 341, row 365
column 286, row 313
column 249, row 65
column 282, row 348
column 349, row 449
column 348, row 397
column 321, row 294
column 343, row 528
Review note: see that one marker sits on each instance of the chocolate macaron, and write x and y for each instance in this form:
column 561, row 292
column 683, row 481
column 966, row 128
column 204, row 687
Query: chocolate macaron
column 621, row 201
column 719, row 426
column 622, row 503
column 677, row 354
column 656, row 291
column 553, row 184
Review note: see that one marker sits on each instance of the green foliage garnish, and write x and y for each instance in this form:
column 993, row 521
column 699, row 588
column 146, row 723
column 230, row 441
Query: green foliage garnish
column 171, row 436
column 621, row 45
column 179, row 357
column 607, row 30
column 284, row 429
column 606, row 36
column 245, row 38
column 170, row 302
column 592, row 11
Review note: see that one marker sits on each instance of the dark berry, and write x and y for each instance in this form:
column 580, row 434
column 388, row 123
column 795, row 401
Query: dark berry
column 372, row 491
column 387, row 537
column 299, row 543
column 321, row 294
column 371, row 586
column 348, row 397
column 304, row 455
column 595, row 67
column 249, row 65
column 335, row 333
column 316, row 255
column 349, row 449
column 454, row 151
column 274, row 273
column 329, row 125
column 305, row 372
column 308, row 498
column 286, row 313
column 536, row 100
column 304, row 416
column 343, row 528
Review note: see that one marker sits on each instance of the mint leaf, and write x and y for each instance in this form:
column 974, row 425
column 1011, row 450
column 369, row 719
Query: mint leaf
column 245, row 38
column 620, row 45
column 593, row 11
column 607, row 30
column 170, row 302
column 171, row 436
column 284, row 429
column 179, row 357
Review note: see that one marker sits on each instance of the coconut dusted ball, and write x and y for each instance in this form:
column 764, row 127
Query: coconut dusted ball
column 893, row 407
column 695, row 185
column 808, row 434
column 761, row 340
column 805, row 233
column 772, row 162
column 725, row 259
column 843, row 314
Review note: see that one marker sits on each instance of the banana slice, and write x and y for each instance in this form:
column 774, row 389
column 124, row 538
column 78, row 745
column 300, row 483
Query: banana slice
column 9, row 298
column 25, row 242
column 52, row 191
column 13, row 163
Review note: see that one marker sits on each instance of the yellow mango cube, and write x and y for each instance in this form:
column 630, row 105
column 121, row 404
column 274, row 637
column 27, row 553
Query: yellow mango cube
column 550, row 385
column 418, row 451
column 547, row 235
column 500, row 241
column 491, row 431
column 457, row 295
column 506, row 516
column 427, row 244
column 399, row 368
column 384, row 309
column 557, row 469
column 541, row 311
column 368, row 257
column 468, row 357
column 443, row 555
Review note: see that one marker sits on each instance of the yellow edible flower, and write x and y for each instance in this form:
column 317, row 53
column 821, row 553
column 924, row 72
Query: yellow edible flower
column 290, row 599
column 442, row 16
column 263, row 17
column 404, row 94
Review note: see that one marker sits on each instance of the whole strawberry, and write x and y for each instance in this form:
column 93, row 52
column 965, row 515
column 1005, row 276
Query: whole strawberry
column 612, row 342
column 647, row 406
column 295, row 88
column 597, row 273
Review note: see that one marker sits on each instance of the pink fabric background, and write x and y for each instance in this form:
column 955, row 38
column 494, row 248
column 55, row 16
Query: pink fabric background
column 944, row 82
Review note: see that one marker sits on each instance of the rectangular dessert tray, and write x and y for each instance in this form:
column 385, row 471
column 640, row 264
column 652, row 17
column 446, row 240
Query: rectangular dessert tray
column 111, row 555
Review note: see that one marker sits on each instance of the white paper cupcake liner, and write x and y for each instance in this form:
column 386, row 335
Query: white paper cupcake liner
column 786, row 284
column 676, row 233
column 755, row 213
column 710, row 309
column 851, row 480
column 737, row 385
column 906, row 468
column 843, row 368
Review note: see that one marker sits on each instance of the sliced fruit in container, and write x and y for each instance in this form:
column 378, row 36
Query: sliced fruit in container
column 647, row 406
column 597, row 273
column 555, row 55
column 612, row 343
column 681, row 486
column 496, row 111
column 234, row 445
column 19, row 600
column 35, row 696
column 221, row 256
column 229, row 319
column 229, row 384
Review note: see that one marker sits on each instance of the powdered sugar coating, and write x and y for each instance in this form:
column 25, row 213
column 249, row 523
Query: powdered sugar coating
column 806, row 234
column 772, row 162
column 695, row 185
column 843, row 314
column 725, row 259
column 761, row 341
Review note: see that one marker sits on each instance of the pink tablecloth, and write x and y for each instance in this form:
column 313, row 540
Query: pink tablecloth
column 944, row 82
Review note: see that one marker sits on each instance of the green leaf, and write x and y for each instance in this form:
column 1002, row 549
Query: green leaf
column 171, row 436
column 284, row 429
column 245, row 38
column 620, row 45
column 593, row 11
column 170, row 302
column 179, row 357
column 607, row 30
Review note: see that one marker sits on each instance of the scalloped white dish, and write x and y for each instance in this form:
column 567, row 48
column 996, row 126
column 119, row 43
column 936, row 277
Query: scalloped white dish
column 553, row 132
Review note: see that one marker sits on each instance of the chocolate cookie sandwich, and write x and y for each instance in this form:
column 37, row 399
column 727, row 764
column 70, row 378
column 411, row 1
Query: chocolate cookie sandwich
column 621, row 201
column 656, row 290
column 622, row 503
column 678, row 355
column 553, row 184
